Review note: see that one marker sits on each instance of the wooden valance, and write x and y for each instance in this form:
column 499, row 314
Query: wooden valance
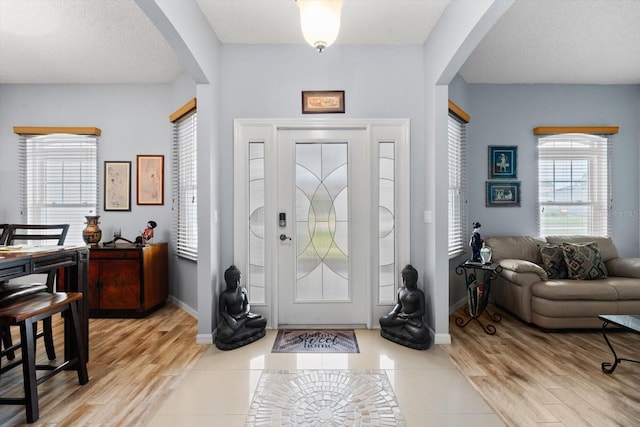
column 183, row 111
column 45, row 130
column 459, row 112
column 594, row 130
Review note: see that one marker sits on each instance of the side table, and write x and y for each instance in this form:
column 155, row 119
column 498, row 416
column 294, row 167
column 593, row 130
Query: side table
column 478, row 277
column 628, row 322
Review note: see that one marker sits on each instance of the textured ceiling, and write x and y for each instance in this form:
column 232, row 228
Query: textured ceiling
column 81, row 41
column 362, row 21
column 561, row 41
column 112, row 41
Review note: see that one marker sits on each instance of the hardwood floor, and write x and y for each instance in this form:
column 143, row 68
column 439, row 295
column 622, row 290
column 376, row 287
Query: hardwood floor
column 529, row 377
column 134, row 364
column 532, row 377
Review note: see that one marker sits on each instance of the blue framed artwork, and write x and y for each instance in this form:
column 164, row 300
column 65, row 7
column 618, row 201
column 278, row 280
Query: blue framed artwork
column 503, row 193
column 503, row 162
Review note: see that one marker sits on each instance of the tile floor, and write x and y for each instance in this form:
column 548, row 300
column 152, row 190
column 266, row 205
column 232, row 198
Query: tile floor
column 415, row 389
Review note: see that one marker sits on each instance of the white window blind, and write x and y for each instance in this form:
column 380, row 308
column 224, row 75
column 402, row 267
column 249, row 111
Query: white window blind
column 185, row 186
column 59, row 180
column 574, row 184
column 457, row 185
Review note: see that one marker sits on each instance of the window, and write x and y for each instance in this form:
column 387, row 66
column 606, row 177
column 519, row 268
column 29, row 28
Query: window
column 387, row 222
column 574, row 184
column 59, row 177
column 457, row 180
column 185, row 182
column 257, row 275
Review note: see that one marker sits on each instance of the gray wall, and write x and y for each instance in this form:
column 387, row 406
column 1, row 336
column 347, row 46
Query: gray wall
column 134, row 119
column 506, row 115
column 267, row 81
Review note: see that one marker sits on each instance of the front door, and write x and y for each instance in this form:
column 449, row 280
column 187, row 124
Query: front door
column 321, row 218
column 324, row 250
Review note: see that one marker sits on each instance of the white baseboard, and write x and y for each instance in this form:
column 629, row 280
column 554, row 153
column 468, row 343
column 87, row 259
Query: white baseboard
column 442, row 339
column 175, row 301
column 461, row 303
column 204, row 339
column 200, row 338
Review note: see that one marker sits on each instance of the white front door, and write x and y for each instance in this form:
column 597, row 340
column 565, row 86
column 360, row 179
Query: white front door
column 324, row 252
column 321, row 217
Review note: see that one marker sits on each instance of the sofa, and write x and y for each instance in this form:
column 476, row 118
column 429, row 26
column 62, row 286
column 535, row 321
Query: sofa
column 533, row 285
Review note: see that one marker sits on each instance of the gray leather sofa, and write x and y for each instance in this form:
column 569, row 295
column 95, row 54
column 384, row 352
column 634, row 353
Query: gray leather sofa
column 525, row 289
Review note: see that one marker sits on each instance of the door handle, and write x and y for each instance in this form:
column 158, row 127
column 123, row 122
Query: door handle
column 284, row 237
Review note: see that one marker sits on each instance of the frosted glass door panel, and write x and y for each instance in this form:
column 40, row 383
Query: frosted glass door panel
column 322, row 231
column 387, row 236
column 256, row 279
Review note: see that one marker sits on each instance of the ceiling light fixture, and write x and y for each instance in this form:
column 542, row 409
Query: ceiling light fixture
column 320, row 21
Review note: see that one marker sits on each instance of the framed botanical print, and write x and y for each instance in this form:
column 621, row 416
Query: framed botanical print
column 503, row 193
column 117, row 186
column 322, row 101
column 503, row 161
column 150, row 183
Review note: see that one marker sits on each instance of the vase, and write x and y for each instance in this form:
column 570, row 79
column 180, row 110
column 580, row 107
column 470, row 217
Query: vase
column 92, row 233
column 485, row 254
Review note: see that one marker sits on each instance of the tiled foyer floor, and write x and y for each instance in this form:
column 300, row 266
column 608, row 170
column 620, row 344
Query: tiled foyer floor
column 384, row 384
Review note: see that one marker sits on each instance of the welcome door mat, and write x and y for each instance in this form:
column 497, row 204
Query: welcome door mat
column 324, row 397
column 316, row 341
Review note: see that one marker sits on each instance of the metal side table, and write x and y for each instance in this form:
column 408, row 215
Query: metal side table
column 478, row 277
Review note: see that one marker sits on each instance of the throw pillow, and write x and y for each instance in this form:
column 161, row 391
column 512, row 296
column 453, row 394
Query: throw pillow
column 553, row 261
column 584, row 261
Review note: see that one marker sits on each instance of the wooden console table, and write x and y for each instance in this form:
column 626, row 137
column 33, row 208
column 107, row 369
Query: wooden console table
column 127, row 280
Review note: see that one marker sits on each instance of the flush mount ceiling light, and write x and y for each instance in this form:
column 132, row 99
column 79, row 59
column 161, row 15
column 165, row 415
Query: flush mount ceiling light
column 320, row 21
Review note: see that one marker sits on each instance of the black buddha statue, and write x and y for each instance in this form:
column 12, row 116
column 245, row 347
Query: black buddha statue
column 238, row 326
column 404, row 324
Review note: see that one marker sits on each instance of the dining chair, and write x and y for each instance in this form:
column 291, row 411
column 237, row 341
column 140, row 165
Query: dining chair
column 25, row 313
column 4, row 233
column 30, row 234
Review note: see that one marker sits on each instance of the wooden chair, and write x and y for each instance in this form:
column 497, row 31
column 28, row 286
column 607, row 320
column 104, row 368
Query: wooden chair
column 30, row 233
column 25, row 312
column 4, row 233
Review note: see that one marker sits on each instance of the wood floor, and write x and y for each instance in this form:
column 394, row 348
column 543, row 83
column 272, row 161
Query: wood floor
column 529, row 377
column 134, row 364
column 538, row 378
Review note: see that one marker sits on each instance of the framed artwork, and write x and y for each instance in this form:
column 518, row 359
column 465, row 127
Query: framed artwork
column 503, row 161
column 150, row 184
column 503, row 193
column 117, row 186
column 323, row 101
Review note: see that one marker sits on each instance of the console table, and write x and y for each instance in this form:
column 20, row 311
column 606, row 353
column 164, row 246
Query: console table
column 630, row 323
column 127, row 280
column 478, row 277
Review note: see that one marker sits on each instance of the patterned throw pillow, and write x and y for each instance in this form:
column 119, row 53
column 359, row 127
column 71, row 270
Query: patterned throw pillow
column 553, row 261
column 584, row 261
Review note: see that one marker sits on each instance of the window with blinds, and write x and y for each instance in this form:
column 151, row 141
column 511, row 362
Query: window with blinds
column 185, row 185
column 574, row 184
column 59, row 180
column 457, row 185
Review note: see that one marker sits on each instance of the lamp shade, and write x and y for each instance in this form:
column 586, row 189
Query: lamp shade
column 320, row 21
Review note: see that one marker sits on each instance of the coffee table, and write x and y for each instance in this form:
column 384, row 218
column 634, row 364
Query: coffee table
column 625, row 321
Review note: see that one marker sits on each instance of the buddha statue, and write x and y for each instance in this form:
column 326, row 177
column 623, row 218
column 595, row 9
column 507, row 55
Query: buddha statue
column 238, row 326
column 404, row 324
